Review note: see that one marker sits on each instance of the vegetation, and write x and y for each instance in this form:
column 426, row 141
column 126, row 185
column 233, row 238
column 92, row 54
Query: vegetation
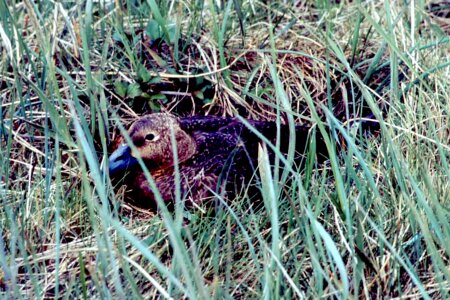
column 371, row 222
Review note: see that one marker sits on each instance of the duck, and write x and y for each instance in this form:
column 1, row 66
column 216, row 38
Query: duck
column 213, row 155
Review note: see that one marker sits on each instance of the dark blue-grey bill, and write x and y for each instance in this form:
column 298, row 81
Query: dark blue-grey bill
column 121, row 160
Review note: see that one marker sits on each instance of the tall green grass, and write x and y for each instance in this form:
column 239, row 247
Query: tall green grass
column 371, row 222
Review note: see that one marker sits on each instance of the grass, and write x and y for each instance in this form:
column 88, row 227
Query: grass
column 371, row 222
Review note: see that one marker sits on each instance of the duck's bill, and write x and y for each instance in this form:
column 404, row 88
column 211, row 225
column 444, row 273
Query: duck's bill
column 121, row 161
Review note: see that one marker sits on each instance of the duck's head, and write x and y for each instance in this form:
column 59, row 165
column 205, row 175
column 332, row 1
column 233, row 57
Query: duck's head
column 151, row 135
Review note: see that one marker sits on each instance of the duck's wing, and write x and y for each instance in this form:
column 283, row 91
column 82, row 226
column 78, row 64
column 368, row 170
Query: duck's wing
column 223, row 155
column 204, row 123
column 233, row 126
column 234, row 131
column 270, row 130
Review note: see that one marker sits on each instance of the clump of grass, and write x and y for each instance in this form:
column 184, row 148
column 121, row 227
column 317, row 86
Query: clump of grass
column 371, row 222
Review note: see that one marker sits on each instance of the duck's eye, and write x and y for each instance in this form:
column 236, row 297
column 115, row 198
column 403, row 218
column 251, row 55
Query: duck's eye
column 150, row 137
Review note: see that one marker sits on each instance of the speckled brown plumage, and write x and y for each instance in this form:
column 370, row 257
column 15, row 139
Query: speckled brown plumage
column 213, row 152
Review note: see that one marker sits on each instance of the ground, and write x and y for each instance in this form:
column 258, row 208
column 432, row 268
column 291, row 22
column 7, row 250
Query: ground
column 371, row 222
